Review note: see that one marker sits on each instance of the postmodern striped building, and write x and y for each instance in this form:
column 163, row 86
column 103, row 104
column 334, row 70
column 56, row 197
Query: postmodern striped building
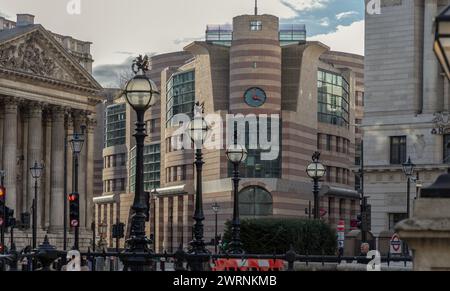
column 313, row 91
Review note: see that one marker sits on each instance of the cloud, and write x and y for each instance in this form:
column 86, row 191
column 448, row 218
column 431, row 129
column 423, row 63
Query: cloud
column 305, row 5
column 112, row 75
column 346, row 38
column 188, row 40
column 324, row 22
column 342, row 15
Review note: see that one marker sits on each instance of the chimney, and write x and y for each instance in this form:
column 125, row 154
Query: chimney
column 24, row 19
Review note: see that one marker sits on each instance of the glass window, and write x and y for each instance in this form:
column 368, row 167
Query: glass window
column 115, row 125
column 255, row 25
column 254, row 166
column 333, row 99
column 398, row 150
column 180, row 95
column 255, row 202
column 152, row 164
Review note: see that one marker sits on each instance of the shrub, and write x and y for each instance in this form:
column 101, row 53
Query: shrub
column 276, row 235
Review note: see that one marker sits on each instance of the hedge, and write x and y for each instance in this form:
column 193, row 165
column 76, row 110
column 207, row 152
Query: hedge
column 277, row 235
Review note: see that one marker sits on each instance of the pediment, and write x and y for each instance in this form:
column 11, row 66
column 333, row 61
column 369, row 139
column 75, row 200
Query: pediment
column 36, row 53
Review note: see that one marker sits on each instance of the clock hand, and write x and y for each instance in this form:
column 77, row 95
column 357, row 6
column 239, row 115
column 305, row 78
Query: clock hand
column 256, row 98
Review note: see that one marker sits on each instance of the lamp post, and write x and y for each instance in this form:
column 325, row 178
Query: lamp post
column 76, row 142
column 442, row 40
column 215, row 207
column 141, row 93
column 197, row 131
column 315, row 171
column 236, row 154
column 36, row 172
column 408, row 169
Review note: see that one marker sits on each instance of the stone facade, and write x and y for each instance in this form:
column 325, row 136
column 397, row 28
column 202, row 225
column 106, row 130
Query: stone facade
column 404, row 89
column 46, row 93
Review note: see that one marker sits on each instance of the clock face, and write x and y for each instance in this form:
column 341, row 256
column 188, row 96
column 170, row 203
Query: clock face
column 255, row 97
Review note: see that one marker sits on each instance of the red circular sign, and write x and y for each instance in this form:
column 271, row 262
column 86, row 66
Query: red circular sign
column 74, row 223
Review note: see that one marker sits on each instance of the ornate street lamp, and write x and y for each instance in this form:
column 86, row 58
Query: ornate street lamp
column 36, row 173
column 236, row 154
column 408, row 169
column 141, row 93
column 215, row 207
column 198, row 131
column 76, row 141
column 442, row 40
column 103, row 230
column 316, row 171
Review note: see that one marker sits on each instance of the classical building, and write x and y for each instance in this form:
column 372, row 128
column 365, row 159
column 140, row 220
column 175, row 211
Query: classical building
column 46, row 93
column 406, row 107
column 311, row 88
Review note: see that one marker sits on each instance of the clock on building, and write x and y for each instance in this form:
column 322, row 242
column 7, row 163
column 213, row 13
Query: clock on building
column 255, row 97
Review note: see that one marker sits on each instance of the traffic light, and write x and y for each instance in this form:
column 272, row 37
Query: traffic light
column 25, row 219
column 74, row 209
column 359, row 221
column 2, row 249
column 9, row 217
column 2, row 194
column 118, row 230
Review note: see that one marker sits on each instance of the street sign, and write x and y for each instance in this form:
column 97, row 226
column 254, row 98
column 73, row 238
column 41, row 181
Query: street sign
column 396, row 245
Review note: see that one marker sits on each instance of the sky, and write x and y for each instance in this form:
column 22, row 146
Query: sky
column 122, row 29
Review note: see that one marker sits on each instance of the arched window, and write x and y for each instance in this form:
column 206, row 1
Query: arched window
column 255, row 202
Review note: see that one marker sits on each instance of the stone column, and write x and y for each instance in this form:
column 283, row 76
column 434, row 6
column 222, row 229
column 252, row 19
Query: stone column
column 176, row 222
column 47, row 177
column 432, row 81
column 57, row 170
column 2, row 121
column 10, row 151
column 23, row 198
column 90, row 170
column 35, row 155
column 80, row 120
column 69, row 132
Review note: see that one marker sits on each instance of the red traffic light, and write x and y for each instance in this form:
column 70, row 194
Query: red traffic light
column 73, row 197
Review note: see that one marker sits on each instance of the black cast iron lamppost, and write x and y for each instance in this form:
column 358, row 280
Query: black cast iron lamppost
column 442, row 40
column 141, row 93
column 215, row 207
column 236, row 154
column 36, row 173
column 316, row 171
column 197, row 131
column 76, row 142
column 408, row 169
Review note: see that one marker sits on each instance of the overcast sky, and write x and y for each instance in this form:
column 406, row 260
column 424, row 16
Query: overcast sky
column 119, row 29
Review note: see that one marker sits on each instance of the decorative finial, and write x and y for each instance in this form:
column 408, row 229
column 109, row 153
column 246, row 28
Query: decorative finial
column 316, row 157
column 141, row 63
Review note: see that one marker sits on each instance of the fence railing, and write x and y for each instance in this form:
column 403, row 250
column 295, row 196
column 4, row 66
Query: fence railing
column 48, row 259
